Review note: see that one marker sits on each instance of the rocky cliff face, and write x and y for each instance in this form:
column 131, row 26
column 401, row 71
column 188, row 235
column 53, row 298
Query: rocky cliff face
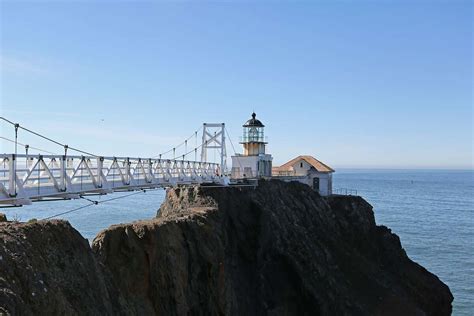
column 280, row 249
column 47, row 268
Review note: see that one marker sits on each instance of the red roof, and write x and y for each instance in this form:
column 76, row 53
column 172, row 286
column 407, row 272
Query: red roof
column 318, row 165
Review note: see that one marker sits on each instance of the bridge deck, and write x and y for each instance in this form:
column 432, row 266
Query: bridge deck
column 26, row 178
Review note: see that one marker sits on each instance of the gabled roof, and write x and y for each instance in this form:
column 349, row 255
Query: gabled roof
column 318, row 165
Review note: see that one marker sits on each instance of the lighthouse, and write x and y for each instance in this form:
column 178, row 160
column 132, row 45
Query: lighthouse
column 254, row 162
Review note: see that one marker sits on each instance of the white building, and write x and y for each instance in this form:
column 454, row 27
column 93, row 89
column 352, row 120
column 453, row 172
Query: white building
column 308, row 170
column 254, row 162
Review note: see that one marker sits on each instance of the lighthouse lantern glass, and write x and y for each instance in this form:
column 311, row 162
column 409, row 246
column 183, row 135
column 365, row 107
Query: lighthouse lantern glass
column 253, row 134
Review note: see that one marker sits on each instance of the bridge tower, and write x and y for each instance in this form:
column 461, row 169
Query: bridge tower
column 213, row 137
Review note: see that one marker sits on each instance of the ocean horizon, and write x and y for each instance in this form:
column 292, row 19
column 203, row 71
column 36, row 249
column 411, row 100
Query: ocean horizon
column 431, row 210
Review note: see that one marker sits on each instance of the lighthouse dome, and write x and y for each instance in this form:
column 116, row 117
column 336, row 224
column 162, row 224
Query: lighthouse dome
column 253, row 122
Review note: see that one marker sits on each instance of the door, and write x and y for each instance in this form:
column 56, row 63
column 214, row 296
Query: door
column 316, row 184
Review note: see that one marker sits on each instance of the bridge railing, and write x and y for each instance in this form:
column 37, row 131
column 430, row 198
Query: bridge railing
column 27, row 178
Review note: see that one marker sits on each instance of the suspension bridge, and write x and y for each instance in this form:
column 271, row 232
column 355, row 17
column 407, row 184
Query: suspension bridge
column 45, row 175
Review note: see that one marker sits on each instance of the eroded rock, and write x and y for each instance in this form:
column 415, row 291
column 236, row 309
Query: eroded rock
column 47, row 268
column 279, row 249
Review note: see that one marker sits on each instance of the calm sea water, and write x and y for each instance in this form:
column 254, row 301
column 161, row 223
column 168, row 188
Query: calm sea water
column 433, row 214
column 431, row 211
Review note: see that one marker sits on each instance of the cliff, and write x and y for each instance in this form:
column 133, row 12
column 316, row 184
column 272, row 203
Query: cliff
column 280, row 249
column 47, row 268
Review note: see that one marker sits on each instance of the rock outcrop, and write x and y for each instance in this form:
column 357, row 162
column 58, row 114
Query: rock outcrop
column 47, row 268
column 279, row 249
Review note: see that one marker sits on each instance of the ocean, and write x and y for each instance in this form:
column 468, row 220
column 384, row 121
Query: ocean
column 432, row 211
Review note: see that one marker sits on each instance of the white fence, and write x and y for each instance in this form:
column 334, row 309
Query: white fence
column 344, row 191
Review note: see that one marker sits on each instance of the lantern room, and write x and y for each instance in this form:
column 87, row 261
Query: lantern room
column 253, row 139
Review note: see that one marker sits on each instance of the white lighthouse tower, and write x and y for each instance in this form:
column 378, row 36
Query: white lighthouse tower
column 254, row 162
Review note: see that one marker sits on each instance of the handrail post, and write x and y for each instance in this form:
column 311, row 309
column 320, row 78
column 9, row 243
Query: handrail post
column 100, row 165
column 150, row 171
column 26, row 156
column 127, row 171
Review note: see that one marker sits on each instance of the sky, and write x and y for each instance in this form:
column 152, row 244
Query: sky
column 357, row 84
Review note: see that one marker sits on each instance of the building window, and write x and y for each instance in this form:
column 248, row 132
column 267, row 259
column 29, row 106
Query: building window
column 301, row 165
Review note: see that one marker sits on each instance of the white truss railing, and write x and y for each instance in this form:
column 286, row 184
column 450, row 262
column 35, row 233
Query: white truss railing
column 26, row 178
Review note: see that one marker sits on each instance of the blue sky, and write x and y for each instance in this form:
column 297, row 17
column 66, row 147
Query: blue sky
column 382, row 84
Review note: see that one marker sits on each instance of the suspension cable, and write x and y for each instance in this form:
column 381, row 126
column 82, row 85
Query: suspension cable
column 193, row 150
column 39, row 149
column 70, row 211
column 66, row 147
column 233, row 148
column 16, row 125
column 92, row 202
column 179, row 145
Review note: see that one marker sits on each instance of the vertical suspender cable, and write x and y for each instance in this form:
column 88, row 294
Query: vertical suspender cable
column 39, row 175
column 82, row 169
column 14, row 159
column 16, row 137
column 195, row 145
column 26, row 156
